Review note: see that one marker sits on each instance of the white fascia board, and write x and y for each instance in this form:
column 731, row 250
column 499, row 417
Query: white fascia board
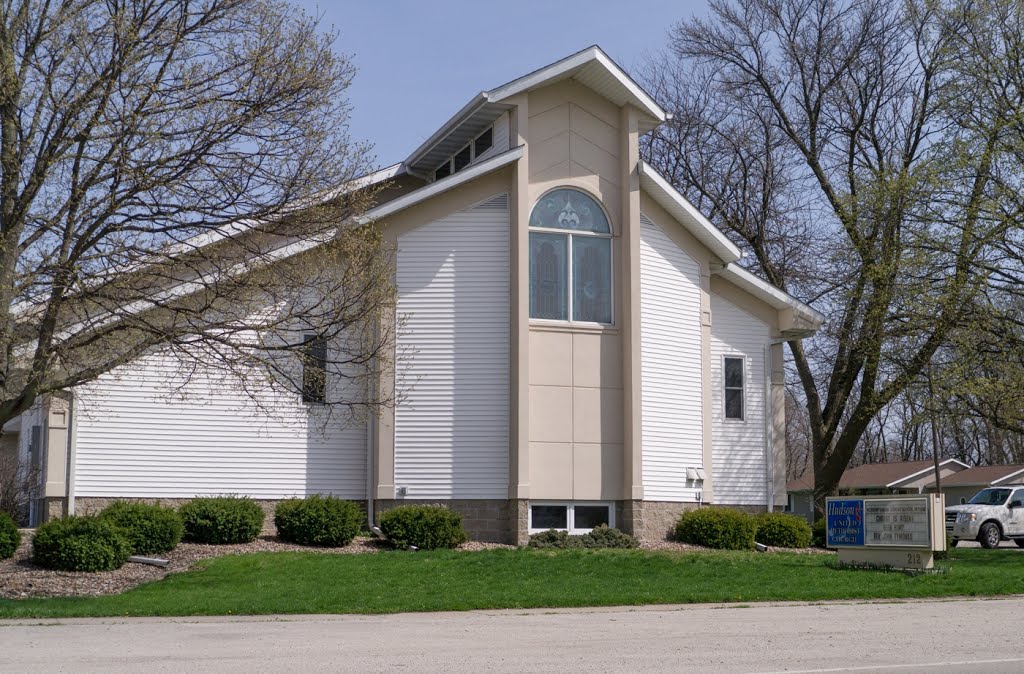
column 189, row 287
column 458, row 118
column 766, row 291
column 920, row 473
column 701, row 228
column 569, row 63
column 236, row 228
column 440, row 186
column 1015, row 474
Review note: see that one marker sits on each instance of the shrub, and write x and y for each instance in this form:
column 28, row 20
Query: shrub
column 425, row 527
column 318, row 520
column 722, row 528
column 220, row 520
column 10, row 537
column 818, row 533
column 601, row 537
column 81, row 544
column 783, row 531
column 553, row 538
column 151, row 528
column 607, row 537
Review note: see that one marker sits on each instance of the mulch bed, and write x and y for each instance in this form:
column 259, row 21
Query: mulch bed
column 20, row 578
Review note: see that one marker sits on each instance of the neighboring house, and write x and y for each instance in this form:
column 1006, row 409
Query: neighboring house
column 959, row 488
column 899, row 477
column 578, row 346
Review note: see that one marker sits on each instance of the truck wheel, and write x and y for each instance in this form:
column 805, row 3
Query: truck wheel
column 989, row 536
column 1019, row 542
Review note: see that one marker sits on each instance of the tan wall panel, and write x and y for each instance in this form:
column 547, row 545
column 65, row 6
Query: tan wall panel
column 550, row 153
column 597, row 471
column 551, row 472
column 549, row 123
column 568, row 91
column 593, row 159
column 550, row 420
column 597, row 360
column 551, row 362
column 600, row 132
column 597, row 415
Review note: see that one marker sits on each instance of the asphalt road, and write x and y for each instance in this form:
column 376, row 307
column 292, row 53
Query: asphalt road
column 943, row 636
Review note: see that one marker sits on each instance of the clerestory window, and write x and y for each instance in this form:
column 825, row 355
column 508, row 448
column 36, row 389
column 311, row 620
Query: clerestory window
column 570, row 259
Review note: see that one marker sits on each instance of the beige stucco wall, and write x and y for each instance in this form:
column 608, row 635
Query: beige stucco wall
column 575, row 373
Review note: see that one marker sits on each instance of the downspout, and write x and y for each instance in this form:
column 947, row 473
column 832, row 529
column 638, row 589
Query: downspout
column 69, row 471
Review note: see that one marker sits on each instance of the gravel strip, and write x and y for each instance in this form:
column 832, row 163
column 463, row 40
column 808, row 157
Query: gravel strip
column 20, row 578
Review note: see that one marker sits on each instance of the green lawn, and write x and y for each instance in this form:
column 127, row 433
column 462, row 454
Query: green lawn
column 454, row 581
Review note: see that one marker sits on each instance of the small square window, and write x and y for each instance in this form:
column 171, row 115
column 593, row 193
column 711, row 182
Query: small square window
column 483, row 142
column 443, row 171
column 462, row 159
column 549, row 517
column 589, row 516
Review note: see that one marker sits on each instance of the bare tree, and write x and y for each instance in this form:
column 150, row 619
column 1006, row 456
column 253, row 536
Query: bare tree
column 868, row 153
column 177, row 175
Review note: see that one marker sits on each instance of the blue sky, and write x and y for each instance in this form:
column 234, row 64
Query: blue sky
column 419, row 62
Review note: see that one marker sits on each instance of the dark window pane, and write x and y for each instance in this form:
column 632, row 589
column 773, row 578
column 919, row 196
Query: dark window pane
column 569, row 209
column 734, row 373
column 591, row 279
column 483, row 142
column 314, row 369
column 443, row 171
column 461, row 160
column 548, row 270
column 548, row 517
column 588, row 517
column 733, row 403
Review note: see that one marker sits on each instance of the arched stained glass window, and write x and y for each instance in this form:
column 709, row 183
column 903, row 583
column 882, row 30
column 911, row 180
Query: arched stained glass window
column 570, row 259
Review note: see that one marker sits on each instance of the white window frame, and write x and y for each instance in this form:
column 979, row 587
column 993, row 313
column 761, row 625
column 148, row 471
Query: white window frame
column 472, row 155
column 743, row 389
column 570, row 520
column 569, row 233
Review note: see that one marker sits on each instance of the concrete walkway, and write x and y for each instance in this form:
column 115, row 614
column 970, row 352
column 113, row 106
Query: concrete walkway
column 945, row 636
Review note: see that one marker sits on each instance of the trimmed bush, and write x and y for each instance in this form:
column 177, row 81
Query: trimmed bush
column 818, row 533
column 81, row 544
column 553, row 538
column 10, row 537
column 423, row 526
column 722, row 528
column 782, row 530
column 151, row 528
column 222, row 520
column 601, row 537
column 318, row 520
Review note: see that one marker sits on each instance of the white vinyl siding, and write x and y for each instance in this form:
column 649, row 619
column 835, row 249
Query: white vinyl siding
column 451, row 423
column 670, row 358
column 738, row 446
column 141, row 431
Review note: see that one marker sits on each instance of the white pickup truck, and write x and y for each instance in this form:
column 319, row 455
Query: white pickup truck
column 992, row 515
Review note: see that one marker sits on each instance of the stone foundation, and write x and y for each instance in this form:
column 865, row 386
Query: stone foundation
column 491, row 521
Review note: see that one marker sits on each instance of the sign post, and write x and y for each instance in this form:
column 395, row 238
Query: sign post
column 898, row 530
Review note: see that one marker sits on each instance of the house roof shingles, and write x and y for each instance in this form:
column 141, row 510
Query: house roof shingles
column 870, row 475
column 984, row 475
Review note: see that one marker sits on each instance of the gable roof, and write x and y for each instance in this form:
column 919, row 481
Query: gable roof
column 687, row 214
column 983, row 476
column 877, row 475
column 590, row 67
column 805, row 319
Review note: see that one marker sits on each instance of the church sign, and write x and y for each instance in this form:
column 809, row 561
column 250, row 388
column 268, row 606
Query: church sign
column 893, row 530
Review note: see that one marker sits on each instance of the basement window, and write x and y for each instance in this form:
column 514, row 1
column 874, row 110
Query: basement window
column 576, row 518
